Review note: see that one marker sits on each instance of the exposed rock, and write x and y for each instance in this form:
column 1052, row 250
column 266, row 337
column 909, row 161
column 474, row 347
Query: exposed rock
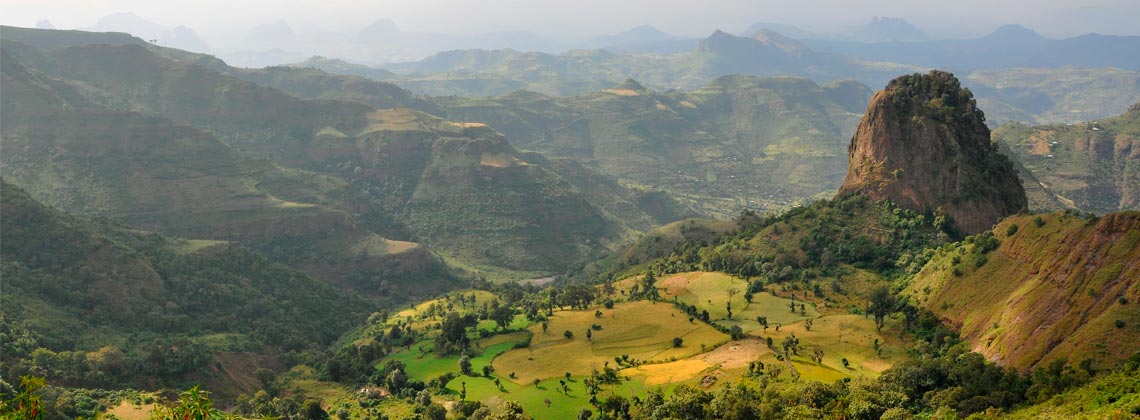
column 924, row 145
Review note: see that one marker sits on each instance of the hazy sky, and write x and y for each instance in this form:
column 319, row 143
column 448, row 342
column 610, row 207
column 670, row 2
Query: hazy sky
column 570, row 18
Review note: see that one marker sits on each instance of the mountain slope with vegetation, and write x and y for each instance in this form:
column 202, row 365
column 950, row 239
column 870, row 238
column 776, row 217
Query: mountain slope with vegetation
column 738, row 142
column 152, row 173
column 389, row 171
column 100, row 305
column 1040, row 288
column 1093, row 166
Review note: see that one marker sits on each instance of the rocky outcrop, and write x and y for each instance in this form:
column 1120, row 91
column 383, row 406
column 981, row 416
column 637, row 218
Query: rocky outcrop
column 923, row 144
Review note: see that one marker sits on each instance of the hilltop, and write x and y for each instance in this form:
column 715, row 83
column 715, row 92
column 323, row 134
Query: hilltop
column 924, row 145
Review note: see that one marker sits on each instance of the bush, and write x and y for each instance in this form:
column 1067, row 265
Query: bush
column 677, row 341
column 1011, row 230
column 1119, row 323
column 1038, row 221
column 568, row 334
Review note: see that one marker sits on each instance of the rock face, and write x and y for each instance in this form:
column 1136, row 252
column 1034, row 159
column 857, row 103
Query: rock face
column 924, row 145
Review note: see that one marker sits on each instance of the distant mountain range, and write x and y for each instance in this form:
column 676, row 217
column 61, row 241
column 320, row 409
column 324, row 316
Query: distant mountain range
column 1008, row 46
column 180, row 37
column 187, row 145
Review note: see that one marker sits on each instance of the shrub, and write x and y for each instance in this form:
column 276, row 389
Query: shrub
column 1038, row 221
column 1119, row 323
column 677, row 341
column 568, row 334
column 1011, row 230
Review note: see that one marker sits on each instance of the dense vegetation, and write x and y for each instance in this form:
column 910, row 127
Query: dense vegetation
column 90, row 304
column 812, row 240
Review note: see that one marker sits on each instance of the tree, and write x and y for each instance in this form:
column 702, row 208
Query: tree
column 545, row 326
column 396, row 381
column 26, row 404
column 435, row 412
column 465, row 365
column 736, row 332
column 881, row 305
column 817, row 354
column 589, row 335
column 585, row 414
column 568, row 334
column 503, row 316
column 312, row 410
column 677, row 341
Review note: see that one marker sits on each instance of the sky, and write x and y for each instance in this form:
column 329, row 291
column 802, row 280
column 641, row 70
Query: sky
column 216, row 19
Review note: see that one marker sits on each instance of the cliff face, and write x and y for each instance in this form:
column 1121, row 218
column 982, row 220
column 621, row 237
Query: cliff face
column 924, row 145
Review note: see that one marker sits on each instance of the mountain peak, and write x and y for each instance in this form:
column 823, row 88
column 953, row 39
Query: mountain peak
column 631, row 84
column 923, row 144
column 382, row 27
column 1012, row 32
column 646, row 30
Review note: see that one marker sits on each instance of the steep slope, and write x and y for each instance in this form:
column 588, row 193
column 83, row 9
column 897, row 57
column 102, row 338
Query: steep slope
column 1050, row 96
column 1058, row 287
column 1092, row 166
column 381, row 164
column 143, row 310
column 738, row 142
column 462, row 188
column 152, row 173
column 924, row 145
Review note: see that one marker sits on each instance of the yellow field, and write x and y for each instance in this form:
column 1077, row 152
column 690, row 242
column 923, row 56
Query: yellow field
column 191, row 245
column 841, row 336
column 127, row 410
column 642, row 330
column 709, row 291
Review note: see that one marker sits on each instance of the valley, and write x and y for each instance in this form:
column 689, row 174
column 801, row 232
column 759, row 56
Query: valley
column 742, row 228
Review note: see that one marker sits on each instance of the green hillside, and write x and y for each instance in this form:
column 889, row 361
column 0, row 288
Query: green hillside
column 1092, row 166
column 457, row 187
column 100, row 305
column 1041, row 288
column 152, row 173
column 739, row 142
column 1052, row 96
